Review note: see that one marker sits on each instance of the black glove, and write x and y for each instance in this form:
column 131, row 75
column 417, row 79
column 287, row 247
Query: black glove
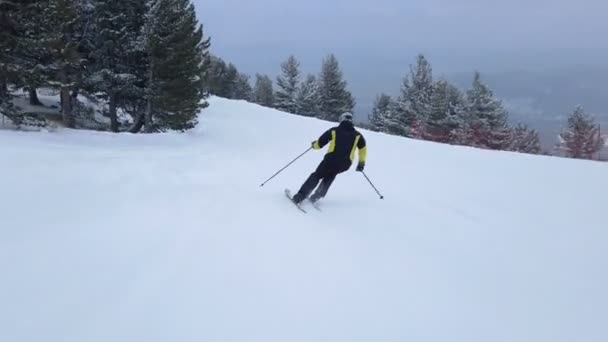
column 360, row 167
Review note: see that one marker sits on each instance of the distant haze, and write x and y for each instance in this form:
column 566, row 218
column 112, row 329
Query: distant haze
column 376, row 41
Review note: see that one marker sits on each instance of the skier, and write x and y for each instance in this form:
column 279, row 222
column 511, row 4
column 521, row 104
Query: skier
column 343, row 141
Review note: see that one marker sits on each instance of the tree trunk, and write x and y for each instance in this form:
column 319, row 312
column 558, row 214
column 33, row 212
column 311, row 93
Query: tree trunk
column 148, row 117
column 113, row 115
column 3, row 87
column 138, row 122
column 66, row 107
column 3, row 97
column 34, row 101
column 66, row 103
column 66, row 100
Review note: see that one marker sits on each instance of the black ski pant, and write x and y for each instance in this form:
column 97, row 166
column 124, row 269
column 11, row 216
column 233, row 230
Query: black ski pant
column 325, row 173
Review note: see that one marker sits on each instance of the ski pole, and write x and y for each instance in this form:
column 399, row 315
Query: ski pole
column 286, row 166
column 372, row 184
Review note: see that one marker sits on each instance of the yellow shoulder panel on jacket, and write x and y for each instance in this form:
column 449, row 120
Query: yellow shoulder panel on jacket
column 354, row 148
column 332, row 142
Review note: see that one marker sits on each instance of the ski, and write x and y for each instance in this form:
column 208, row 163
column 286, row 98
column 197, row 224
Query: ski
column 288, row 194
column 315, row 205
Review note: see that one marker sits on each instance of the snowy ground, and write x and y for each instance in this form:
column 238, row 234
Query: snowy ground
column 49, row 99
column 51, row 105
column 109, row 237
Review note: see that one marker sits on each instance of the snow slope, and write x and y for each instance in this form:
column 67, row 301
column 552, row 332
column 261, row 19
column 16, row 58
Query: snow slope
column 169, row 237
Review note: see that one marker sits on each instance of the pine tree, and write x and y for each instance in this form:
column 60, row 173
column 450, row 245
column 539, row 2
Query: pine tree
column 446, row 114
column 487, row 125
column 287, row 86
column 525, row 140
column 29, row 51
column 436, row 127
column 133, row 98
column 242, row 88
column 457, row 116
column 216, row 78
column 8, row 67
column 334, row 98
column 64, row 32
column 115, row 73
column 382, row 114
column 581, row 138
column 414, row 103
column 308, row 97
column 263, row 93
column 29, row 32
column 224, row 80
column 176, row 51
column 228, row 82
column 22, row 61
column 9, row 36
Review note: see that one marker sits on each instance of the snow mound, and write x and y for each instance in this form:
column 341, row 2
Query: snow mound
column 169, row 237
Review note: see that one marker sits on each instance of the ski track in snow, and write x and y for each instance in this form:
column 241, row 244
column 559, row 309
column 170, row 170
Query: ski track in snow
column 169, row 237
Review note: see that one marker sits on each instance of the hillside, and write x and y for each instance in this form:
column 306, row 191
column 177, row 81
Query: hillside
column 107, row 237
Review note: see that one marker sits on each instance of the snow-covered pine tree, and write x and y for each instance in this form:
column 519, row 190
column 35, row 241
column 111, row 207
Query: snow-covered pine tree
column 287, row 86
column 116, row 73
column 22, row 61
column 8, row 39
column 63, row 28
column 263, row 93
column 30, row 51
column 581, row 138
column 436, row 124
column 380, row 119
column 488, row 127
column 242, row 88
column 525, row 140
column 224, row 80
column 215, row 77
column 176, row 51
column 8, row 67
column 134, row 96
column 446, row 114
column 457, row 118
column 229, row 80
column 334, row 98
column 414, row 102
column 308, row 97
column 51, row 47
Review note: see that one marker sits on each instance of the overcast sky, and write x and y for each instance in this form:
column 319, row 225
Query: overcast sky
column 376, row 40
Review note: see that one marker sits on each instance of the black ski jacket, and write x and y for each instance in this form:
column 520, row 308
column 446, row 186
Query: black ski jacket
column 343, row 142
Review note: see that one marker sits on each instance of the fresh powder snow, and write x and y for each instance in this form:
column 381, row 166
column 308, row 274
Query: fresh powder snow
column 169, row 237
